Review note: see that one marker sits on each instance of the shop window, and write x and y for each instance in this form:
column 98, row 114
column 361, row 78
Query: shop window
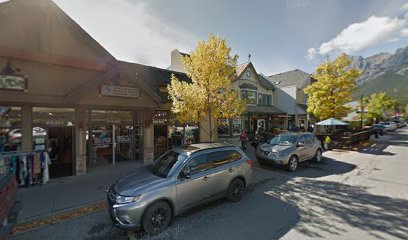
column 10, row 129
column 249, row 96
column 53, row 130
column 223, row 127
column 236, row 127
column 278, row 122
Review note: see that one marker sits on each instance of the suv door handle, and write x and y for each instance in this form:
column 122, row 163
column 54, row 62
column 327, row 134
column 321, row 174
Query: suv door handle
column 205, row 178
column 231, row 170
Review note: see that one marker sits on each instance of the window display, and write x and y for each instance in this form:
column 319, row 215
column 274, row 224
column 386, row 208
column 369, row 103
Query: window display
column 223, row 127
column 53, row 130
column 236, row 127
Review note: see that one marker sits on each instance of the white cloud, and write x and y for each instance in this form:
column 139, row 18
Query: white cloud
column 405, row 7
column 363, row 35
column 129, row 31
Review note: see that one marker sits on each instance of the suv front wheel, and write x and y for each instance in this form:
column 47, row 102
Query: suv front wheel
column 156, row 218
column 293, row 163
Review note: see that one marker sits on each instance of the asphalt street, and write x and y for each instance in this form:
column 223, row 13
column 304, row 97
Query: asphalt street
column 351, row 195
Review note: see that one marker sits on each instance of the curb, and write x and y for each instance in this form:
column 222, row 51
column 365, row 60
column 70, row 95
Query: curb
column 59, row 216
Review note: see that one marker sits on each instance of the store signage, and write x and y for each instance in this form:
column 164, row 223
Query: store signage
column 160, row 121
column 13, row 82
column 119, row 91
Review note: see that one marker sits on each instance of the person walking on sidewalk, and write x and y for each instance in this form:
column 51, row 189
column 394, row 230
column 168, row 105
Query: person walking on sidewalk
column 244, row 139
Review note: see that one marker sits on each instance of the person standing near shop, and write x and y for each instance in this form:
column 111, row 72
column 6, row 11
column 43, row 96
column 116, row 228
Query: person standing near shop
column 244, row 139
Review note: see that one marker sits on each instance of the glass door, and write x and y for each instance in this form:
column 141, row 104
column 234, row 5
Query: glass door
column 110, row 137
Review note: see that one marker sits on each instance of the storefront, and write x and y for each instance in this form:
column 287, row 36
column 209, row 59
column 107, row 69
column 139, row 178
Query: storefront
column 113, row 136
column 63, row 94
column 169, row 133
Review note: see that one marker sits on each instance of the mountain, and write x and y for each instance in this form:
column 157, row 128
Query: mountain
column 383, row 72
column 395, row 85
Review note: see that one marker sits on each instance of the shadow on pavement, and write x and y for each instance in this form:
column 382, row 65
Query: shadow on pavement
column 257, row 216
column 376, row 149
column 328, row 203
column 327, row 167
column 379, row 146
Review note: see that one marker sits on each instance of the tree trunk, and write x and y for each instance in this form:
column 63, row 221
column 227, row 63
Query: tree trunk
column 209, row 117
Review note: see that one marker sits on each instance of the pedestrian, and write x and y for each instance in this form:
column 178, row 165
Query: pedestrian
column 244, row 139
column 255, row 140
column 310, row 128
column 302, row 126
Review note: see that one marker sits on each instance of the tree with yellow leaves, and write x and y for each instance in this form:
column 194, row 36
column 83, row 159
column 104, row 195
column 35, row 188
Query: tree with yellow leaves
column 377, row 104
column 333, row 88
column 211, row 69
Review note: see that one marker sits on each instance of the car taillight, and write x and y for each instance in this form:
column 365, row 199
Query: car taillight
column 250, row 162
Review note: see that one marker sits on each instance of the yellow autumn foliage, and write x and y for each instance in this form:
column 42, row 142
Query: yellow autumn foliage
column 212, row 69
column 335, row 83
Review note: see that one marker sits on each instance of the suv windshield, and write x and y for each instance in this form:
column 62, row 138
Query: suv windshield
column 167, row 164
column 283, row 140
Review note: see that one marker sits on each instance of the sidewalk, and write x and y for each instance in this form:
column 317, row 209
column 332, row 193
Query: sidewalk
column 69, row 193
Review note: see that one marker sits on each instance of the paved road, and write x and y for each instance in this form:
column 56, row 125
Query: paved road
column 351, row 195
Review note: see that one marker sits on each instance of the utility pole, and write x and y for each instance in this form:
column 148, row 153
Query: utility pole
column 361, row 112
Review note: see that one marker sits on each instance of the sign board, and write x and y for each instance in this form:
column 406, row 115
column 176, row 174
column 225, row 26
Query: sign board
column 13, row 82
column 119, row 91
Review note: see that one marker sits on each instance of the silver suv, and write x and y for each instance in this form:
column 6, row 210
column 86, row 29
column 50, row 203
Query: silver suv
column 289, row 149
column 180, row 179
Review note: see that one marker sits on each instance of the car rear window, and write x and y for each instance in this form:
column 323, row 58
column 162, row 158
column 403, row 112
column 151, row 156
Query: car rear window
column 220, row 158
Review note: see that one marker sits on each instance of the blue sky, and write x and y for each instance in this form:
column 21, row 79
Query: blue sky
column 280, row 35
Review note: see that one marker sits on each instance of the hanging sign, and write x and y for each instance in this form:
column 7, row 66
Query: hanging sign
column 12, row 82
column 119, row 91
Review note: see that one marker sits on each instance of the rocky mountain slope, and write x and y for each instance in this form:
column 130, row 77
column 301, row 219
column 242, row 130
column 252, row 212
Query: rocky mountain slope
column 383, row 72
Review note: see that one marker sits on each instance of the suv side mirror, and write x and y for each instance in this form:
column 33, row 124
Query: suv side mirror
column 184, row 175
column 301, row 144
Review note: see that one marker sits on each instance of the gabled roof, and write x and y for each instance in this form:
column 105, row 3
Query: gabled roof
column 265, row 82
column 47, row 10
column 291, row 78
column 152, row 78
column 240, row 69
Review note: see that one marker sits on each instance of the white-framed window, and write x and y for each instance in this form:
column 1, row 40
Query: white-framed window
column 264, row 99
column 250, row 96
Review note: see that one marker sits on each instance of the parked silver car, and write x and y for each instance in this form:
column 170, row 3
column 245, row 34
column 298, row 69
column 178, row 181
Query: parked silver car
column 390, row 126
column 180, row 179
column 289, row 149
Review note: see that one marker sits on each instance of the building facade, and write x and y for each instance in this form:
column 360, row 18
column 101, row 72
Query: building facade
column 294, row 99
column 62, row 92
column 263, row 112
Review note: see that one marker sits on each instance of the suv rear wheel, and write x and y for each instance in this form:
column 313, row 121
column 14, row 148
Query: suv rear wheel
column 157, row 217
column 236, row 190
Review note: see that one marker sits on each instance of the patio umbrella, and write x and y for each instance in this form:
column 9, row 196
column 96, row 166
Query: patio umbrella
column 332, row 122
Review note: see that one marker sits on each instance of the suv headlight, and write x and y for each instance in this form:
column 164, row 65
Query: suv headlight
column 126, row 199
